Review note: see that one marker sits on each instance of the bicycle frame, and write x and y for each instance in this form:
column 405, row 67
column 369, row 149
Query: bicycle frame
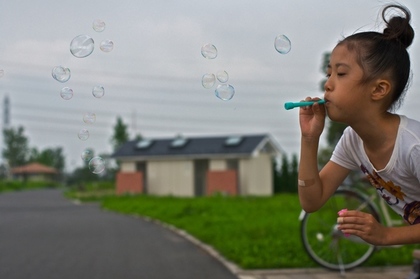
column 383, row 209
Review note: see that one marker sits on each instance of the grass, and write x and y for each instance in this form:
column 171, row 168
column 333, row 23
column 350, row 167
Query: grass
column 16, row 185
column 253, row 232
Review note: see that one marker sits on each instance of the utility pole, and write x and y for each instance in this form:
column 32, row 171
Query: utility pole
column 4, row 167
column 6, row 112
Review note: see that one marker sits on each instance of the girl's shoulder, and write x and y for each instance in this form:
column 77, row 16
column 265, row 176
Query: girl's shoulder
column 409, row 139
column 410, row 126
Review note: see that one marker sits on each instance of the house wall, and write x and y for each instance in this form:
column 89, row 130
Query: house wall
column 129, row 182
column 171, row 178
column 222, row 181
column 217, row 165
column 128, row 166
column 255, row 176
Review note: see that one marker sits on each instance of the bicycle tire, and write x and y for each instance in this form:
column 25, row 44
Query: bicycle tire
column 327, row 245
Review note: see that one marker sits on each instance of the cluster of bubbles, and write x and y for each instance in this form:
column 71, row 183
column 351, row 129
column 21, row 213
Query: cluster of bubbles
column 80, row 47
column 88, row 118
column 83, row 45
column 96, row 163
column 223, row 90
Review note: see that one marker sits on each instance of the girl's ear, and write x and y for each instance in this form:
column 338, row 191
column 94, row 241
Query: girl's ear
column 381, row 90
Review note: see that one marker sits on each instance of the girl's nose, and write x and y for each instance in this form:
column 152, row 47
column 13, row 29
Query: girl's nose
column 327, row 85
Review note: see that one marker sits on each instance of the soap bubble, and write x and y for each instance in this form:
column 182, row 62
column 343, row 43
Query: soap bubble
column 82, row 46
column 87, row 155
column 98, row 25
column 222, row 76
column 1, row 73
column 83, row 134
column 89, row 118
column 61, row 74
column 282, row 44
column 97, row 165
column 224, row 92
column 208, row 80
column 98, row 91
column 209, row 51
column 106, row 45
column 66, row 93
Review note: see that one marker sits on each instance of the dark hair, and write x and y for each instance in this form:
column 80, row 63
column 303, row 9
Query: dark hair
column 386, row 53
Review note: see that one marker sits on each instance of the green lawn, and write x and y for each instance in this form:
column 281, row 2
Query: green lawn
column 17, row 185
column 249, row 231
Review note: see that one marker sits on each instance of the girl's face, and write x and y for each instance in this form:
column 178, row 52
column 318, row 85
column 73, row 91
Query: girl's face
column 346, row 96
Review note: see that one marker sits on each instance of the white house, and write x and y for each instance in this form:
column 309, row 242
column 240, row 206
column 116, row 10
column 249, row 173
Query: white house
column 196, row 166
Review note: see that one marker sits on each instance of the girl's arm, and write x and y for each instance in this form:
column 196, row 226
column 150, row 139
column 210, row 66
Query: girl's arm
column 318, row 189
column 315, row 187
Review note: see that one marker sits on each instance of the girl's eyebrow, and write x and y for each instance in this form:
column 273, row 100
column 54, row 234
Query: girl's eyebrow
column 342, row 65
column 338, row 65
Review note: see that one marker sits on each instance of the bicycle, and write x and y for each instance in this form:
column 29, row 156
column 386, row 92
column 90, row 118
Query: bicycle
column 327, row 245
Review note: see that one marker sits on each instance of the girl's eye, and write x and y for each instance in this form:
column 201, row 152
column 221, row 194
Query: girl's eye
column 327, row 75
column 341, row 74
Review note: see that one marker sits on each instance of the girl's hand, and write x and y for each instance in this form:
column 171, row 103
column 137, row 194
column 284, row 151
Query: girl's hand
column 312, row 119
column 363, row 225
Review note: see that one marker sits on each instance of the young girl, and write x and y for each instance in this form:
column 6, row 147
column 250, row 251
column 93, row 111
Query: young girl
column 367, row 77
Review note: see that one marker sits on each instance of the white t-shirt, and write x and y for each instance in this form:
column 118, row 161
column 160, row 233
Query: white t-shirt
column 399, row 182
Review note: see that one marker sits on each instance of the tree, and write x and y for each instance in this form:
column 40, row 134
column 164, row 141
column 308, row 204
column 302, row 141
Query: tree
column 285, row 180
column 52, row 157
column 120, row 134
column 15, row 146
column 33, row 154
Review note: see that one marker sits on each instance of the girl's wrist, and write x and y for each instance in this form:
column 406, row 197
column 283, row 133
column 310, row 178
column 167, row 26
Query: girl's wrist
column 310, row 139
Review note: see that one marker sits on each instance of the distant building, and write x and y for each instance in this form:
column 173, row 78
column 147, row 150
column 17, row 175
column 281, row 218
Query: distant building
column 34, row 172
column 197, row 166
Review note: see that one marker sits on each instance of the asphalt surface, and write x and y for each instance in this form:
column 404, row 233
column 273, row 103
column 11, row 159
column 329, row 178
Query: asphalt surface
column 43, row 235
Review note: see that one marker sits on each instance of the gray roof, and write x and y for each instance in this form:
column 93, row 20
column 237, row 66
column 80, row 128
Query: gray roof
column 199, row 147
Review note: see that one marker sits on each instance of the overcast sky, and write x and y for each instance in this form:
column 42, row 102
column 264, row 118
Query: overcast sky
column 152, row 77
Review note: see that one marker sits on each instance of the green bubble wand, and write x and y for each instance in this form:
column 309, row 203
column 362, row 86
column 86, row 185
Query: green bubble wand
column 291, row 105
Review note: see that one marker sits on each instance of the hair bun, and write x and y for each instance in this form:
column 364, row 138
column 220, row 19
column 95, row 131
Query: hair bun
column 399, row 28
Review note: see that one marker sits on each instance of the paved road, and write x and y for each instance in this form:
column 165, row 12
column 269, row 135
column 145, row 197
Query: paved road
column 43, row 235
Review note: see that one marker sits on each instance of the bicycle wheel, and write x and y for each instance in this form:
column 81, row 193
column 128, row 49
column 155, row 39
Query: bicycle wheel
column 327, row 245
